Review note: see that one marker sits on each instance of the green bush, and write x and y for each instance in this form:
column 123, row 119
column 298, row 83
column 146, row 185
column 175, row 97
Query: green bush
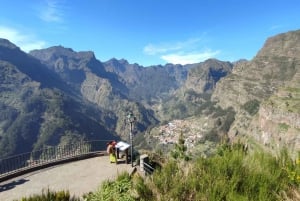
column 144, row 193
column 51, row 196
column 283, row 127
column 252, row 106
column 179, row 151
column 118, row 190
column 231, row 174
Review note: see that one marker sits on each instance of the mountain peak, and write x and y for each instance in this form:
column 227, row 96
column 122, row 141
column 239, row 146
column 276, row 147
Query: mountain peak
column 60, row 51
column 6, row 43
column 115, row 61
column 55, row 50
column 285, row 44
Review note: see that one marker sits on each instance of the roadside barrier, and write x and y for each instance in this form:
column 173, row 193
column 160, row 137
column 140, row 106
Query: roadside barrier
column 145, row 165
column 23, row 163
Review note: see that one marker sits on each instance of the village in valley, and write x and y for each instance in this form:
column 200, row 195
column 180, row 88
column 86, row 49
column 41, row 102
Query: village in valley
column 193, row 132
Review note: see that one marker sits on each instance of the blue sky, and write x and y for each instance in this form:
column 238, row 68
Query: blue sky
column 149, row 32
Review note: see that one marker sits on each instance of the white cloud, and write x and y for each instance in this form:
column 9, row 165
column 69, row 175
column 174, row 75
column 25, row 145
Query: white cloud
column 25, row 41
column 275, row 27
column 151, row 49
column 189, row 58
column 184, row 52
column 52, row 11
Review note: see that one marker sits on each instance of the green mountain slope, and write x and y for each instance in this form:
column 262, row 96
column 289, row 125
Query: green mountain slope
column 38, row 110
column 264, row 93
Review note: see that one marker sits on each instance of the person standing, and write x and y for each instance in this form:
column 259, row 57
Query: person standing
column 111, row 150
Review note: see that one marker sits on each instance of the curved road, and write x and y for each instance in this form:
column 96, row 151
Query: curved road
column 78, row 177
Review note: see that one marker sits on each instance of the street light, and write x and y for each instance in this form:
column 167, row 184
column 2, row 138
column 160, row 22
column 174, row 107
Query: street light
column 131, row 118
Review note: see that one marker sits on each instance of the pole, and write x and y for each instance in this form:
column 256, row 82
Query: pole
column 131, row 142
column 131, row 119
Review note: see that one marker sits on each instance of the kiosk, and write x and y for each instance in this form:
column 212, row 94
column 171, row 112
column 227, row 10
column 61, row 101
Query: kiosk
column 123, row 147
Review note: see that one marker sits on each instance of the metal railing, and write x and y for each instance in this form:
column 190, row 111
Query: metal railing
column 31, row 160
column 148, row 169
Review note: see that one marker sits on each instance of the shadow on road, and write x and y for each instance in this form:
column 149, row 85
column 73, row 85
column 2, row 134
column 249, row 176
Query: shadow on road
column 12, row 184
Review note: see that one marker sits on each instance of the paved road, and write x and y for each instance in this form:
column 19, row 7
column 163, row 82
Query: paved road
column 78, row 177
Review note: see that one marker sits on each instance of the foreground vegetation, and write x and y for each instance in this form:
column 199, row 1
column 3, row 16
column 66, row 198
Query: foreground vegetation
column 230, row 174
column 48, row 195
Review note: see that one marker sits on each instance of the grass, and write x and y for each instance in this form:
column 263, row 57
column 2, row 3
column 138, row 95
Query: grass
column 48, row 195
column 232, row 174
column 117, row 190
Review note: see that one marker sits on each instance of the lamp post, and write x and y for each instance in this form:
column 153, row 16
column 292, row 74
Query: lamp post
column 131, row 118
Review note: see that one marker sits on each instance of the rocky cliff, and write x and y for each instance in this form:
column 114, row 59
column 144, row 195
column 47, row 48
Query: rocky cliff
column 277, row 124
column 108, row 85
column 265, row 94
column 148, row 84
column 203, row 77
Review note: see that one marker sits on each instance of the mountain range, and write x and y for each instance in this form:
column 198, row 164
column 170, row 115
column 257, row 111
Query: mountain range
column 57, row 96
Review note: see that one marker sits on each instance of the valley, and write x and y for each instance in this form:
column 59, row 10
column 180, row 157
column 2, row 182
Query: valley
column 56, row 96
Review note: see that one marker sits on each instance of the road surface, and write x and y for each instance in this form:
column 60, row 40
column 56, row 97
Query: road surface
column 78, row 177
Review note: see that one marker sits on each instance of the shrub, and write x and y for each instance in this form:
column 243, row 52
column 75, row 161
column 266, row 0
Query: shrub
column 283, row 127
column 119, row 190
column 51, row 196
column 142, row 189
column 179, row 151
column 251, row 106
column 231, row 174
